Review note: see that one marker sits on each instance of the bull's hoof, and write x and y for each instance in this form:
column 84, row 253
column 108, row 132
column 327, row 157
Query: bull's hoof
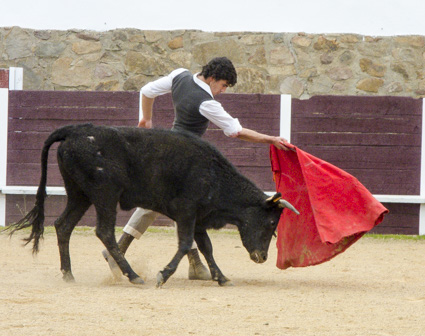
column 68, row 277
column 159, row 280
column 115, row 269
column 137, row 281
column 225, row 282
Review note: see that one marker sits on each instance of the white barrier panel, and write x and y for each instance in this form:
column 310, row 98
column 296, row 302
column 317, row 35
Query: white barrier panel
column 4, row 103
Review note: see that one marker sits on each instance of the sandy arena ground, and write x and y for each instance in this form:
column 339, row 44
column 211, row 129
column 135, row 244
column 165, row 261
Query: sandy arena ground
column 377, row 287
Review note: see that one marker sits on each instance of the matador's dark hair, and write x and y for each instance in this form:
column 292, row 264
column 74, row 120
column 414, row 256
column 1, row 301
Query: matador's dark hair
column 220, row 68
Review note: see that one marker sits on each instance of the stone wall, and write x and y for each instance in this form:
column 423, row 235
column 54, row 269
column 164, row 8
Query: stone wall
column 302, row 65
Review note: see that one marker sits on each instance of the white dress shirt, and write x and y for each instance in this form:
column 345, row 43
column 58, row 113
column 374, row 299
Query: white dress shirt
column 210, row 109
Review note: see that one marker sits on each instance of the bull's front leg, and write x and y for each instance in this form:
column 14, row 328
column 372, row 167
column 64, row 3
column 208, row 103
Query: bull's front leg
column 185, row 236
column 123, row 264
column 204, row 244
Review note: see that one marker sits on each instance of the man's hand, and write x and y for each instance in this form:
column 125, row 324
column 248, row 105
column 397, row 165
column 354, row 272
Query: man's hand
column 145, row 123
column 253, row 136
column 280, row 143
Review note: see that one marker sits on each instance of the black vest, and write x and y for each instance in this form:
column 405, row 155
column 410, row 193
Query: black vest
column 187, row 97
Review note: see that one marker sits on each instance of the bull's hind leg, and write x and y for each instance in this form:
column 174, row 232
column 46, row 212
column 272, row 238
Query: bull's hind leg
column 105, row 231
column 76, row 206
column 204, row 245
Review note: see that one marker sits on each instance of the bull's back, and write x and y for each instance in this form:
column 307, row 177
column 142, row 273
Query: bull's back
column 94, row 155
column 145, row 165
column 171, row 161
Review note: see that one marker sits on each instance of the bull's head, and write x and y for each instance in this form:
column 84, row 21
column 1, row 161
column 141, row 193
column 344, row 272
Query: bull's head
column 260, row 225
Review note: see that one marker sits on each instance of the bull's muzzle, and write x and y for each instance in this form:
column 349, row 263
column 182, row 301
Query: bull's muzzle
column 258, row 257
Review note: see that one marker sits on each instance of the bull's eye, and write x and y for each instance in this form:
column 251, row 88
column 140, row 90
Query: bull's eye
column 273, row 226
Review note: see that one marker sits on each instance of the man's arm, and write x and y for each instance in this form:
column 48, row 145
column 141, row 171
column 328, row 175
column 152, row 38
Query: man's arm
column 213, row 111
column 147, row 107
column 153, row 89
column 253, row 136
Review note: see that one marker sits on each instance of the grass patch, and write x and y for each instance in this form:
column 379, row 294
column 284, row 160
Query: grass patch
column 89, row 230
column 394, row 237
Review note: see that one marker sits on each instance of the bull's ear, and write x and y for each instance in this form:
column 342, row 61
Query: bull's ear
column 273, row 200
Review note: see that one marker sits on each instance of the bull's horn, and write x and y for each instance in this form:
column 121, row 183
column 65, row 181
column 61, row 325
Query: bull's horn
column 276, row 197
column 286, row 204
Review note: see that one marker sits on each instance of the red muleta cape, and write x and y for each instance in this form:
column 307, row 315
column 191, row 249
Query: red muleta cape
column 335, row 209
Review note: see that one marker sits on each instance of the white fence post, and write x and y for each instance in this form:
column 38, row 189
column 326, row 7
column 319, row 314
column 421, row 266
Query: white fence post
column 285, row 116
column 16, row 78
column 4, row 102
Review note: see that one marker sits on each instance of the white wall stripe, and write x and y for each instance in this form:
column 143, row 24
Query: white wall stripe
column 31, row 190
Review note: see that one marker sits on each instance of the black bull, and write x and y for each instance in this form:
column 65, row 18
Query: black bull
column 176, row 174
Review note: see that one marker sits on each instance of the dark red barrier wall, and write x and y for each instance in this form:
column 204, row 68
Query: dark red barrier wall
column 257, row 112
column 4, row 78
column 33, row 115
column 376, row 139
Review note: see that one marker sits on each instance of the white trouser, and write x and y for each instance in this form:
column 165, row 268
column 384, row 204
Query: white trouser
column 140, row 221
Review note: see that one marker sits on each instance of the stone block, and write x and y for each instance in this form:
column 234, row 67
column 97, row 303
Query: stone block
column 370, row 84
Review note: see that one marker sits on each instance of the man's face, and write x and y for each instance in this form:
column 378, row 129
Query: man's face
column 218, row 87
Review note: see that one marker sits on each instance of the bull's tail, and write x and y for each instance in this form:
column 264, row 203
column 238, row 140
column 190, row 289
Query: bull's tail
column 35, row 218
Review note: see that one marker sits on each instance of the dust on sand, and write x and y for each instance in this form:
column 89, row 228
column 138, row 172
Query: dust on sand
column 377, row 287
